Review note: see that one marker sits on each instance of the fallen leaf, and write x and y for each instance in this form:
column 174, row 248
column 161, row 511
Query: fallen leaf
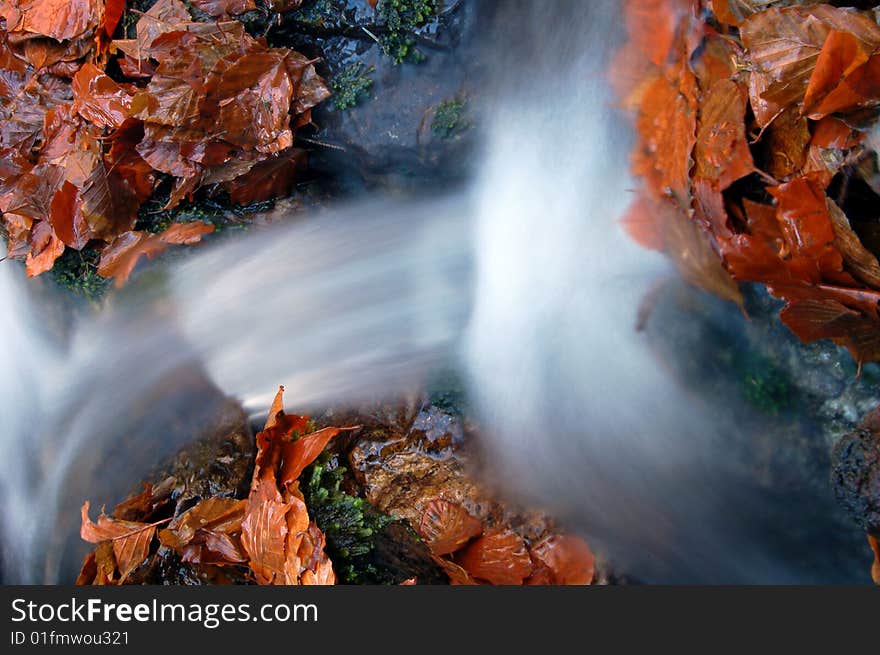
column 875, row 568
column 99, row 99
column 568, row 559
column 499, row 557
column 46, row 247
column 130, row 539
column 446, row 526
column 721, row 151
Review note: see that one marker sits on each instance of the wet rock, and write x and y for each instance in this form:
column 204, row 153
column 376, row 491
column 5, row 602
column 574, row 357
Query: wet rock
column 789, row 403
column 856, row 475
column 402, row 107
column 402, row 466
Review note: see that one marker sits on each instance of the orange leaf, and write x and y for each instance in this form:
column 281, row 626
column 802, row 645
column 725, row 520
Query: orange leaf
column 568, row 558
column 722, row 152
column 841, row 54
column 447, row 526
column 875, row 568
column 498, row 557
column 46, row 247
column 302, row 452
column 99, row 99
column 131, row 539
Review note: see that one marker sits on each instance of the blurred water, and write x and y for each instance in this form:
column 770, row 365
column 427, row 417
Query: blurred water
column 524, row 280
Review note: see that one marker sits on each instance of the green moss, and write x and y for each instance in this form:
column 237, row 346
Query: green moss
column 77, row 272
column 764, row 385
column 349, row 523
column 401, row 19
column 448, row 118
column 350, row 85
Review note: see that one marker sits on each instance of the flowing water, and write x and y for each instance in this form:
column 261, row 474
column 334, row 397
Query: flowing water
column 523, row 280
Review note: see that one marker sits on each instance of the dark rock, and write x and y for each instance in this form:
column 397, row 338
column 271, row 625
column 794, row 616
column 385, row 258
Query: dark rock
column 383, row 131
column 856, row 477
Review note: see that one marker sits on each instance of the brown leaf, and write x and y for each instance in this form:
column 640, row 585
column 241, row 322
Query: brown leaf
column 263, row 534
column 841, row 54
column 271, row 178
column 787, row 142
column 447, row 526
column 568, row 559
column 59, row 19
column 122, row 255
column 721, row 152
column 858, row 260
column 651, row 25
column 498, row 557
column 875, row 567
column 456, row 574
column 667, row 125
column 46, row 247
column 211, row 515
column 783, row 45
column 219, row 8
column 305, row 450
column 131, row 540
column 67, row 219
column 99, row 99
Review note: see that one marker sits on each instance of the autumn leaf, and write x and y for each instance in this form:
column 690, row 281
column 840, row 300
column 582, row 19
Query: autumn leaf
column 567, row 558
column 721, row 152
column 267, row 179
column 99, row 99
column 46, row 247
column 667, row 123
column 499, row 557
column 59, row 19
column 122, row 255
column 130, row 539
column 446, row 526
column 219, row 8
column 875, row 568
column 784, row 44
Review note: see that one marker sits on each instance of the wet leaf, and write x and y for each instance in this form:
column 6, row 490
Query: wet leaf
column 99, row 99
column 46, row 247
column 59, row 19
column 447, row 526
column 721, row 152
column 875, row 567
column 858, row 260
column 219, row 8
column 122, row 255
column 499, row 557
column 272, row 178
column 67, row 219
column 567, row 558
column 130, row 539
column 784, row 44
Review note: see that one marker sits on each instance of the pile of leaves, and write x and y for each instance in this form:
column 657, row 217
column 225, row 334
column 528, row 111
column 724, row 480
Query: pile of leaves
column 757, row 138
column 473, row 553
column 270, row 532
column 90, row 125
